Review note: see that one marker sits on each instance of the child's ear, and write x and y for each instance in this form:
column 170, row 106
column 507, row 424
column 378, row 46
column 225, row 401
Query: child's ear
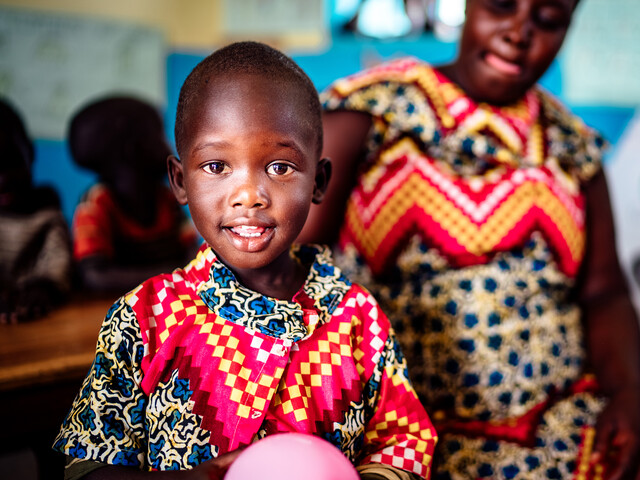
column 323, row 175
column 176, row 179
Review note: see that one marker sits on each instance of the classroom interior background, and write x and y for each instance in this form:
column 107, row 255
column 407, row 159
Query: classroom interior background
column 55, row 55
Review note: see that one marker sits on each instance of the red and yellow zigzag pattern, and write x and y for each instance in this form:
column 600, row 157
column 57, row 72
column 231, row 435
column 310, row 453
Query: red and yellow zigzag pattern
column 467, row 227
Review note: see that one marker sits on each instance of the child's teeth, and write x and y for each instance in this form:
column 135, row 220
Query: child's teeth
column 248, row 231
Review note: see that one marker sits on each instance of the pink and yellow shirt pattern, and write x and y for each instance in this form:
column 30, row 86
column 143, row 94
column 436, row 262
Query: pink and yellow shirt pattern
column 191, row 365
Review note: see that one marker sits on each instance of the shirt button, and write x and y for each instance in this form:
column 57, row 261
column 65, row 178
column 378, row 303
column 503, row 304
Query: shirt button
column 280, row 350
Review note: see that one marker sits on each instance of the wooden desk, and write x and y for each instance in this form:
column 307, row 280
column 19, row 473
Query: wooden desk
column 58, row 347
column 42, row 365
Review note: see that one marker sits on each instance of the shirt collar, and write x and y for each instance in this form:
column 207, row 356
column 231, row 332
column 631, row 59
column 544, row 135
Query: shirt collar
column 293, row 320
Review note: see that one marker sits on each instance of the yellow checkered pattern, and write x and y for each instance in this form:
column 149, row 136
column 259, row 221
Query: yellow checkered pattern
column 322, row 362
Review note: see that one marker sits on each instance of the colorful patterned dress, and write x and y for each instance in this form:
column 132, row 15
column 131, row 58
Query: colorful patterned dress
column 468, row 225
column 191, row 365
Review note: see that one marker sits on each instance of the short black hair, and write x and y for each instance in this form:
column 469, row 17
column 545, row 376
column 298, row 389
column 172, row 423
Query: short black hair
column 252, row 58
column 101, row 129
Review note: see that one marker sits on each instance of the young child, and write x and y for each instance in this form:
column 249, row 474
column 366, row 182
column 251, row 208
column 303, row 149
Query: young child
column 128, row 226
column 254, row 336
column 35, row 250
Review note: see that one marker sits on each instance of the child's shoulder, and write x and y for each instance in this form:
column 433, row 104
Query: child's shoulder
column 46, row 197
column 361, row 304
column 37, row 200
column 343, row 297
column 178, row 284
column 97, row 194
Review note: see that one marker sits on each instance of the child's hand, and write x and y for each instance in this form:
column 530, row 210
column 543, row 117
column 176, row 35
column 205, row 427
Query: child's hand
column 617, row 442
column 215, row 468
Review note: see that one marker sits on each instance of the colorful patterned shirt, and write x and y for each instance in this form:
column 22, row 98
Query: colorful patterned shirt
column 467, row 223
column 192, row 364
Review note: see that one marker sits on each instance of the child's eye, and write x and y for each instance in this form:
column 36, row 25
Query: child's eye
column 279, row 169
column 216, row 168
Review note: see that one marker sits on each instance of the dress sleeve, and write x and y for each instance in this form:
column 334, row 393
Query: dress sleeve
column 106, row 421
column 399, row 433
column 393, row 94
column 578, row 148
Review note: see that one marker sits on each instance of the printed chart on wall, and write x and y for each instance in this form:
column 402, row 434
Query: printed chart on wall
column 51, row 64
column 601, row 58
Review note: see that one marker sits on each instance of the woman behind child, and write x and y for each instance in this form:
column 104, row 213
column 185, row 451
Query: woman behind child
column 477, row 213
column 128, row 226
column 35, row 250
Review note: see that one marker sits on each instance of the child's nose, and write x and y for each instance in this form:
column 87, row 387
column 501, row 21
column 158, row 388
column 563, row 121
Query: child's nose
column 249, row 194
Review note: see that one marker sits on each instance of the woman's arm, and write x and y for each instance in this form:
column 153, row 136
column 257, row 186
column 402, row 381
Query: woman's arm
column 613, row 338
column 345, row 134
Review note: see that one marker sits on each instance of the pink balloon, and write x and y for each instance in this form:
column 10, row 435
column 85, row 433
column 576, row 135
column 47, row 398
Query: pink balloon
column 292, row 456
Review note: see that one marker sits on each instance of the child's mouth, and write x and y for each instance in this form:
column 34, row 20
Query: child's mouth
column 248, row 231
column 250, row 238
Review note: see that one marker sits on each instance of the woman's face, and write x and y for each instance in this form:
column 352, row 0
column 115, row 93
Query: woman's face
column 507, row 45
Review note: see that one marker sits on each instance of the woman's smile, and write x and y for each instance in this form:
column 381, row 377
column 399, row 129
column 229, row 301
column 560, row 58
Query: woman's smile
column 503, row 66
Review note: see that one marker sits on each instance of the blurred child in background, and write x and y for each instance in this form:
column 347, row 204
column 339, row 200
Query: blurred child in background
column 128, row 226
column 35, row 251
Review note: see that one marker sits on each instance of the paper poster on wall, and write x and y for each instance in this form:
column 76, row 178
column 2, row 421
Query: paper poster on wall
column 51, row 64
column 601, row 57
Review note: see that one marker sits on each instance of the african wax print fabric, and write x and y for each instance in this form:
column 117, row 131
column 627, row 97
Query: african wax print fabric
column 467, row 223
column 192, row 364
column 101, row 227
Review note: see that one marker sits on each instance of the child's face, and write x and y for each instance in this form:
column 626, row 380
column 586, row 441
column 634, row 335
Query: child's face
column 507, row 45
column 249, row 170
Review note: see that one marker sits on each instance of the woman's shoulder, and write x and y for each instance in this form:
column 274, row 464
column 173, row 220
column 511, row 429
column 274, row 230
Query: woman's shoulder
column 577, row 146
column 554, row 112
column 405, row 69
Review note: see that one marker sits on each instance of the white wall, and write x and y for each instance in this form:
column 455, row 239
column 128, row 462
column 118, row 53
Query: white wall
column 623, row 174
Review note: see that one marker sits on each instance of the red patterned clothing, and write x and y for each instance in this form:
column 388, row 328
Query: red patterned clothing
column 191, row 365
column 468, row 225
column 100, row 227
